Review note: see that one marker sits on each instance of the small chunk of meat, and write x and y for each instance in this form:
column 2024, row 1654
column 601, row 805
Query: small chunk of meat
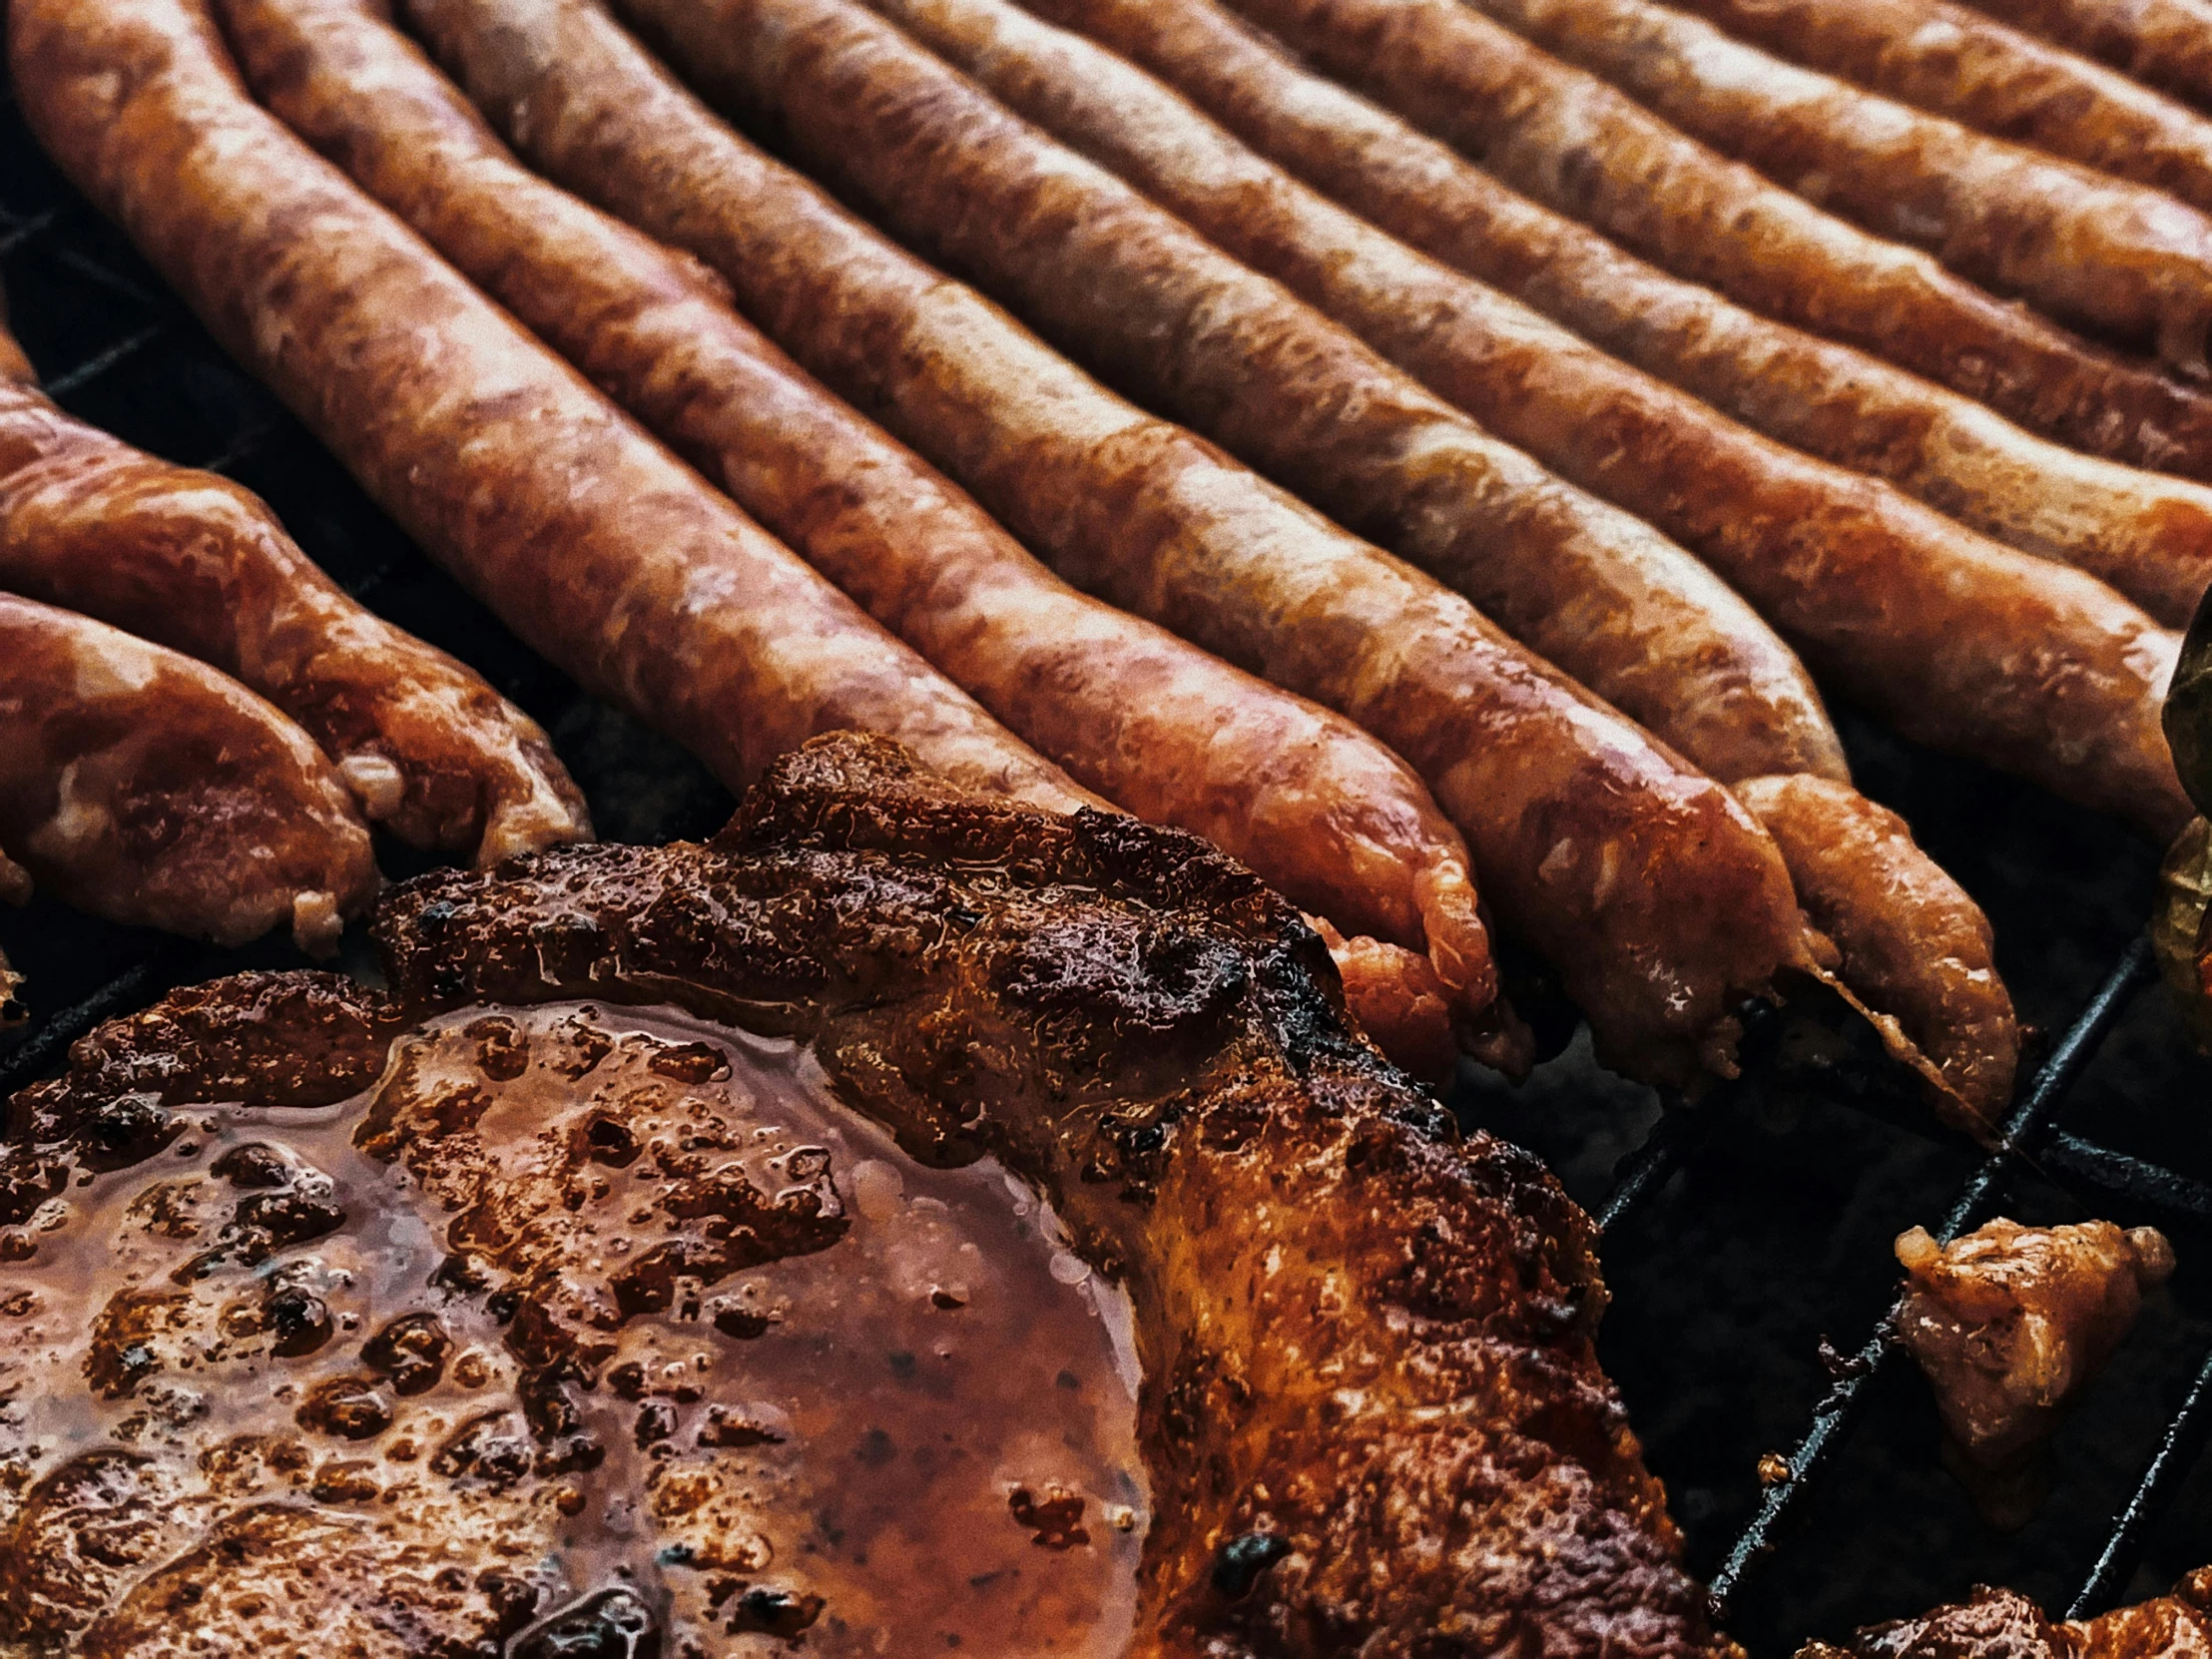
column 2009, row 1323
column 2002, row 1624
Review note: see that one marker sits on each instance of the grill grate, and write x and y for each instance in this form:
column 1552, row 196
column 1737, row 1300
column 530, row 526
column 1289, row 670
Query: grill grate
column 118, row 350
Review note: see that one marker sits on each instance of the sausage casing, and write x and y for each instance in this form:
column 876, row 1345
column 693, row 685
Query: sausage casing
column 1607, row 853
column 1583, row 148
column 1150, row 305
column 145, row 787
column 1315, row 805
column 2148, row 534
column 593, row 542
column 1913, row 615
column 192, row 561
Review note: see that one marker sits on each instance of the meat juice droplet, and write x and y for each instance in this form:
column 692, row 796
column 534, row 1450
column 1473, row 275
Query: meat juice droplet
column 838, row 1442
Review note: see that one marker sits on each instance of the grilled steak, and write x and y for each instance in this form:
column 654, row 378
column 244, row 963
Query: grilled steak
column 557, row 1301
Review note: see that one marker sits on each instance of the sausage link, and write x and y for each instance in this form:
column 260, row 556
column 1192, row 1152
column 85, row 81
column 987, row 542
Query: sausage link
column 194, row 562
column 1579, row 146
column 1955, row 62
column 1914, row 945
column 2076, row 243
column 2148, row 534
column 2165, row 44
column 1307, row 800
column 1647, row 886
column 1131, row 291
column 1910, row 613
column 595, row 544
column 145, row 787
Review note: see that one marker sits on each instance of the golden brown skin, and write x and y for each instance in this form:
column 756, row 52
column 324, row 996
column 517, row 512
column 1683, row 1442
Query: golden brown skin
column 1133, row 293
column 1657, row 897
column 1309, row 800
column 2165, row 44
column 2001, row 1625
column 2077, row 243
column 596, row 545
column 1914, row 946
column 1582, row 147
column 194, row 562
column 1912, row 615
column 2148, row 535
column 2009, row 1323
column 1364, row 1340
column 148, row 789
column 1955, row 62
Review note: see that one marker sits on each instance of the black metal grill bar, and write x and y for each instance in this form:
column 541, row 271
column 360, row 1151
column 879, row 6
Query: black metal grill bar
column 2180, row 1447
column 103, row 360
column 1683, row 1129
column 1839, row 1411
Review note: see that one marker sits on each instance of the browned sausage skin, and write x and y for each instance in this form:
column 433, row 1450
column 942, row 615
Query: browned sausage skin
column 192, row 561
column 2076, row 243
column 148, row 789
column 1955, row 62
column 1133, row 293
column 1582, row 147
column 1657, row 897
column 2148, row 534
column 1312, row 802
column 1914, row 945
column 2165, row 44
column 1908, row 612
column 594, row 543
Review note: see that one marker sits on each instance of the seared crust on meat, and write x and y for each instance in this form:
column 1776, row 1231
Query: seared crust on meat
column 195, row 562
column 1367, row 1343
column 1579, row 146
column 2002, row 1624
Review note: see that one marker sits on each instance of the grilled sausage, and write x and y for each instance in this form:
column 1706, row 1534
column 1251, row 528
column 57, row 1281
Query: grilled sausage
column 2075, row 241
column 1955, row 62
column 1132, row 293
column 2165, row 44
column 1911, row 614
column 2148, row 534
column 1315, row 805
column 148, row 789
column 1915, row 947
column 1586, row 150
column 595, row 544
column 194, row 562
column 1656, row 897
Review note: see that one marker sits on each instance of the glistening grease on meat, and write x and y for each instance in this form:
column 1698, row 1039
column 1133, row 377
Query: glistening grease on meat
column 2148, row 534
column 1369, row 1405
column 1655, row 895
column 1315, row 806
column 195, row 562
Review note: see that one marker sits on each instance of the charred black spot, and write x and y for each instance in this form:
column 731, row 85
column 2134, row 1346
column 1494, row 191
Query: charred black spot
column 613, row 1624
column 298, row 1320
column 126, row 1131
column 253, row 1165
column 774, row 1612
column 1244, row 1558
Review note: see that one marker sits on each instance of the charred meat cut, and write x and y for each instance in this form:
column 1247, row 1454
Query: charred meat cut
column 1371, row 1417
column 2001, row 1624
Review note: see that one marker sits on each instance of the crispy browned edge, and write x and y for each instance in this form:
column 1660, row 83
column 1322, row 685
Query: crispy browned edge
column 1137, row 1023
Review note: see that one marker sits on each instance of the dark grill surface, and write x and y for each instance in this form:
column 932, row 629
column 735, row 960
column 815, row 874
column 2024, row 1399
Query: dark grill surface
column 1747, row 1236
